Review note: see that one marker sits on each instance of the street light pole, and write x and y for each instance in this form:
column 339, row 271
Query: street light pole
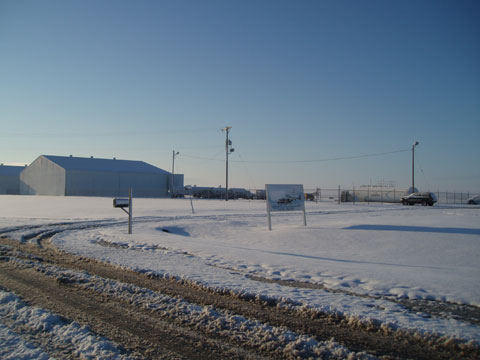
column 413, row 165
column 228, row 151
column 173, row 172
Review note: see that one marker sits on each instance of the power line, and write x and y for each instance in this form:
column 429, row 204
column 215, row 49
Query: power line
column 300, row 161
column 103, row 133
column 252, row 182
column 201, row 157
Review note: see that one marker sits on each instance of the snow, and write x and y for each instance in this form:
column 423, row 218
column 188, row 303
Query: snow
column 379, row 251
column 15, row 344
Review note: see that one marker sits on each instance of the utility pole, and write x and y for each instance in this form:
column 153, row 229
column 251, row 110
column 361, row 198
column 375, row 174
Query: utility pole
column 228, row 151
column 172, row 174
column 413, row 165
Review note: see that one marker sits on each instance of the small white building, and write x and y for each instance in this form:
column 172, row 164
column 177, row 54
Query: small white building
column 10, row 179
column 76, row 176
column 374, row 194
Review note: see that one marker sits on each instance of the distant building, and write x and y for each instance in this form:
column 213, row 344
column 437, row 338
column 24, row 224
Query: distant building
column 10, row 179
column 76, row 176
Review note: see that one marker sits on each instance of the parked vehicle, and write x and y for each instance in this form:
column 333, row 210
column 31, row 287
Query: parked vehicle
column 423, row 198
column 260, row 195
column 474, row 200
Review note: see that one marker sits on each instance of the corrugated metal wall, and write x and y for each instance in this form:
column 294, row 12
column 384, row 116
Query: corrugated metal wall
column 9, row 184
column 97, row 183
column 42, row 177
column 10, row 179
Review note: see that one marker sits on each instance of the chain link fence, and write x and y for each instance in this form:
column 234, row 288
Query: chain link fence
column 452, row 197
column 378, row 194
column 372, row 194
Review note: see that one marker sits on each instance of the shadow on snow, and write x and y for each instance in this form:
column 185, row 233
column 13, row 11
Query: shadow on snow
column 173, row 230
column 428, row 229
column 348, row 261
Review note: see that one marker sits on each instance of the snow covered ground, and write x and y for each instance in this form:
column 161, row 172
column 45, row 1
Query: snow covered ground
column 75, row 339
column 379, row 251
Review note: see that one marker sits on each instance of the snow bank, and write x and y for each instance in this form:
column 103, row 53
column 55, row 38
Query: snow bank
column 20, row 322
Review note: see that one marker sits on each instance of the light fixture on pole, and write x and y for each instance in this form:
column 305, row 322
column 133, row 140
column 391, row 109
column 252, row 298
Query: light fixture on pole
column 228, row 151
column 413, row 165
column 175, row 153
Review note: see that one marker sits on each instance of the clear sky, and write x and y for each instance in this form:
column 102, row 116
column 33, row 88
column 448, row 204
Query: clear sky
column 308, row 87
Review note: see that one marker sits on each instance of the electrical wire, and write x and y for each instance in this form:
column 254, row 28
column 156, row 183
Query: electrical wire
column 299, row 161
column 252, row 182
column 418, row 160
column 103, row 133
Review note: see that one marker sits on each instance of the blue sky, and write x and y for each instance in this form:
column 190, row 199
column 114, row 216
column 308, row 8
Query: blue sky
column 301, row 83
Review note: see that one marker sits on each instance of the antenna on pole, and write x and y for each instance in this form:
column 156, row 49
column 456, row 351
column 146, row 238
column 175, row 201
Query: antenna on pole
column 228, row 151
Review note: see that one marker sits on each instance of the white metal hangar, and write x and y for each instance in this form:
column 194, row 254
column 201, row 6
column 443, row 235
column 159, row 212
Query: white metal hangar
column 77, row 176
column 10, row 179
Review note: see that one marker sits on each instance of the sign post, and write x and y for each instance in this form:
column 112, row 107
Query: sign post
column 130, row 210
column 285, row 197
column 268, row 209
column 191, row 196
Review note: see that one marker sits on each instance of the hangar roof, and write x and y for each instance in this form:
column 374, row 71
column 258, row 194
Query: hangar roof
column 113, row 165
column 10, row 170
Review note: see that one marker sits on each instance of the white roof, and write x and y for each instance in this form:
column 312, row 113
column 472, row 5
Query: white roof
column 113, row 165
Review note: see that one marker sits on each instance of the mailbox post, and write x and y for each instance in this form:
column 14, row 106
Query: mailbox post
column 123, row 203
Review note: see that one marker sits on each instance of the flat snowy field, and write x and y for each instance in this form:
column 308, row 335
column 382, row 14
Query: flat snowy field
column 384, row 251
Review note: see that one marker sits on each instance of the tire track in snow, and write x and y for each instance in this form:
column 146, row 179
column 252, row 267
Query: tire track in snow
column 357, row 336
column 39, row 232
column 187, row 329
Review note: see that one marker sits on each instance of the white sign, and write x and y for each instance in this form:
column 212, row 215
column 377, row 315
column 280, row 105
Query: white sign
column 285, row 197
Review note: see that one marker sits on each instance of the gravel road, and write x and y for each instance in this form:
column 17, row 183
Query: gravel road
column 153, row 318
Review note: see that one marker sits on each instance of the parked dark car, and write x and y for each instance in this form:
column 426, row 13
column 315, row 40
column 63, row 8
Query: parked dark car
column 474, row 200
column 423, row 198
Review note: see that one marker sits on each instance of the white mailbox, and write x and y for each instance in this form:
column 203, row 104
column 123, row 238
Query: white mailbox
column 125, row 203
column 120, row 203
